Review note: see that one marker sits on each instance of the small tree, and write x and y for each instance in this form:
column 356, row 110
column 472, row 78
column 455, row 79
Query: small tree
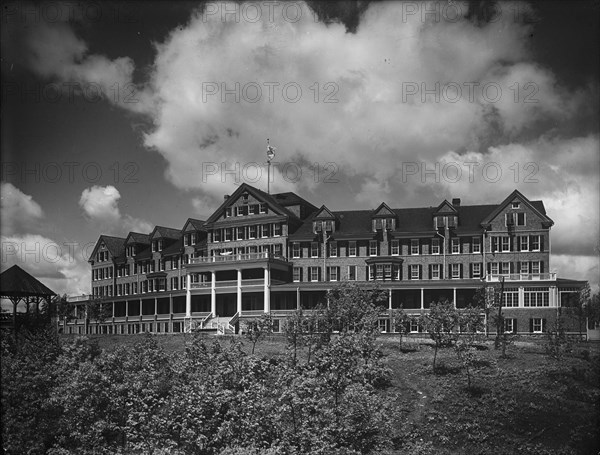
column 400, row 320
column 258, row 328
column 470, row 325
column 97, row 311
column 352, row 308
column 440, row 322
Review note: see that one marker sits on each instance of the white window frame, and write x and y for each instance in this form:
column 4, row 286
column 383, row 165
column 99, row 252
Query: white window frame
column 373, row 244
column 435, row 271
column 435, row 246
column 297, row 274
column 509, row 325
column 523, row 243
column 476, row 245
column 353, row 268
column 455, row 246
column 535, row 267
column 476, row 273
column 395, row 247
column 352, row 248
column 455, row 271
column 314, row 270
column 332, row 273
column 414, row 268
column 533, row 242
column 333, row 249
column 414, row 246
column 505, row 244
column 537, row 325
column 296, row 250
column 252, row 235
column 516, row 219
column 314, row 249
column 525, row 269
column 505, row 268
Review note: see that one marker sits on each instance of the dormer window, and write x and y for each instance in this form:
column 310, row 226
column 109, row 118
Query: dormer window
column 245, row 198
column 442, row 222
column 382, row 224
column 262, row 208
column 228, row 212
column 516, row 205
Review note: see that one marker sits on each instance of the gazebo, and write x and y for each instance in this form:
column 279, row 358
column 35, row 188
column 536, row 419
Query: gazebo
column 17, row 285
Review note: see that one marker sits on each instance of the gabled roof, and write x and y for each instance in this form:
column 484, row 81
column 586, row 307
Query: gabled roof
column 174, row 248
column 536, row 206
column 383, row 211
column 323, row 214
column 197, row 225
column 258, row 194
column 445, row 207
column 289, row 198
column 165, row 233
column 114, row 245
column 16, row 282
column 136, row 237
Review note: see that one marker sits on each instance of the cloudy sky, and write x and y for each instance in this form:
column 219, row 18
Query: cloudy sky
column 120, row 116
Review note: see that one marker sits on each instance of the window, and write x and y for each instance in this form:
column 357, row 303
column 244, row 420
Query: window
column 537, row 325
column 455, row 268
column 240, row 233
column 415, row 272
column 455, row 246
column 510, row 325
column 217, row 235
column 505, row 244
column 520, row 219
column 536, row 297
column 476, row 270
column 314, row 250
column 535, row 243
column 510, row 297
column 329, row 226
column 314, row 273
column 494, row 268
column 297, row 274
column 371, row 269
column 228, row 234
column 265, row 231
column 516, row 205
column 332, row 249
column 523, row 243
column 351, row 273
column 379, row 272
column 475, row 245
column 227, row 212
column 435, row 246
column 252, row 232
column 414, row 246
column 505, row 268
column 262, row 208
column 387, row 272
column 524, row 267
column 372, row 247
column 332, row 273
column 277, row 229
column 352, row 248
column 535, row 267
column 414, row 325
column 395, row 247
column 295, row 250
column 278, row 250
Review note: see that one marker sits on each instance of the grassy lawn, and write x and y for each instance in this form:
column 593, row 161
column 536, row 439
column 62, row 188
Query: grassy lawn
column 527, row 403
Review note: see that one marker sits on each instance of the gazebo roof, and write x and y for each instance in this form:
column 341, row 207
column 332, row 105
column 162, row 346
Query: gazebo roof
column 16, row 282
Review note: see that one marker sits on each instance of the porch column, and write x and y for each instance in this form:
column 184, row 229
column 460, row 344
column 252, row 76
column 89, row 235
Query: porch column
column 267, row 296
column 390, row 300
column 521, row 296
column 422, row 298
column 297, row 298
column 454, row 297
column 188, row 296
column 553, row 297
column 213, row 294
column 239, row 291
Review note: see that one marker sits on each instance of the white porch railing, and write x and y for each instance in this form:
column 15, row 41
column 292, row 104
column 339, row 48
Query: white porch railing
column 236, row 257
column 521, row 277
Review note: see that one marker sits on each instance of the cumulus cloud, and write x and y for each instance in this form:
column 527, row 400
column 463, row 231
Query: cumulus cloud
column 19, row 210
column 100, row 204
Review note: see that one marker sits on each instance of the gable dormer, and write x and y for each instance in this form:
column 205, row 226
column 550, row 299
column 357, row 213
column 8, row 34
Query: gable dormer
column 324, row 220
column 135, row 242
column 384, row 218
column 445, row 216
column 193, row 232
column 517, row 212
column 161, row 237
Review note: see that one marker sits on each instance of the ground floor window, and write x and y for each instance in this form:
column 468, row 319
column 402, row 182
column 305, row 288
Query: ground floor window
column 384, row 325
column 276, row 326
column 535, row 297
column 510, row 325
column 177, row 327
column 414, row 325
column 510, row 297
column 538, row 325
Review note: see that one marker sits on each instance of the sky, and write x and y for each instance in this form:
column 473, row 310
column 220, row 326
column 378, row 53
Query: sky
column 122, row 116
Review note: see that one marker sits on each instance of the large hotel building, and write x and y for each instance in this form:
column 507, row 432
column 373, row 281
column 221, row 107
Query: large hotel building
column 274, row 253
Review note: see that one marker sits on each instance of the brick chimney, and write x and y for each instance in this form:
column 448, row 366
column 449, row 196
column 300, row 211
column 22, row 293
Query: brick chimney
column 456, row 202
column 225, row 197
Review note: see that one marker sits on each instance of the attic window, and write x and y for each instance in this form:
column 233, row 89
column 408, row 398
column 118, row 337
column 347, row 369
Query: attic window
column 516, row 205
column 227, row 212
column 245, row 197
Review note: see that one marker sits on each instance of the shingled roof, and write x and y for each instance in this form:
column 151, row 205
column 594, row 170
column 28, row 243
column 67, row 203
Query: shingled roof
column 358, row 223
column 16, row 282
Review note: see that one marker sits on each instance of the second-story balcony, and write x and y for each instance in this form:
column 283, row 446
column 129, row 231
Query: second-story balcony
column 495, row 278
column 237, row 258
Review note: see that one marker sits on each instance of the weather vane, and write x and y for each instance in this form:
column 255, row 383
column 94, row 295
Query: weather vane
column 270, row 156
